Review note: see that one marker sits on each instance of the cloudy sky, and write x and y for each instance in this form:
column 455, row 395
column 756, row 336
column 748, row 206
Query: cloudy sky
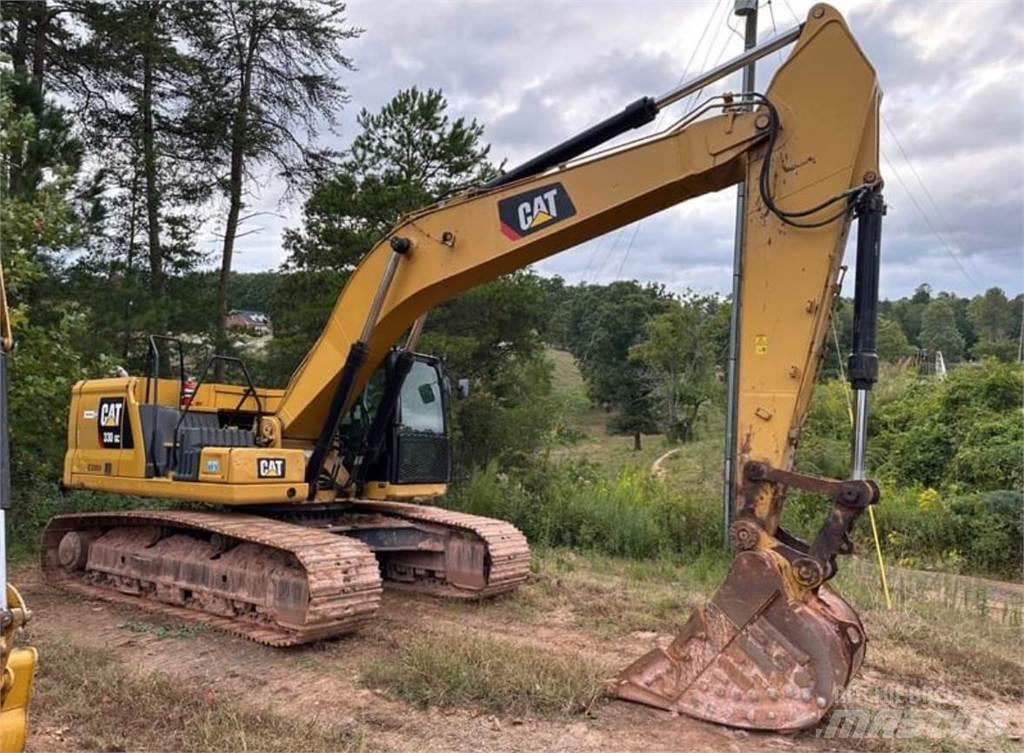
column 536, row 72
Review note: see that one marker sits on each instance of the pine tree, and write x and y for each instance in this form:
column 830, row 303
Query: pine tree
column 405, row 156
column 270, row 72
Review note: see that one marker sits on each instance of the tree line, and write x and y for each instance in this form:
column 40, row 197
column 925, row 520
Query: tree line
column 168, row 114
column 132, row 126
column 655, row 359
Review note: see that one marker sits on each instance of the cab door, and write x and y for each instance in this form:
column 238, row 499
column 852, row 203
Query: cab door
column 421, row 452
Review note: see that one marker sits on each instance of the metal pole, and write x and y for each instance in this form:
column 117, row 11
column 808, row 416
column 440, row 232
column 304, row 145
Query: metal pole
column 747, row 9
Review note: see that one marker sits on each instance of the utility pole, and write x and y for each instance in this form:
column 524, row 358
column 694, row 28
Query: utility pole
column 747, row 10
column 1020, row 340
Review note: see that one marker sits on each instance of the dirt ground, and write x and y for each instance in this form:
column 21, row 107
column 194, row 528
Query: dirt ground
column 321, row 684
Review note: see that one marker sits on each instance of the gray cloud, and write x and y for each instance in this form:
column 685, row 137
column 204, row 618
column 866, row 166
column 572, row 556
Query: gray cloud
column 534, row 72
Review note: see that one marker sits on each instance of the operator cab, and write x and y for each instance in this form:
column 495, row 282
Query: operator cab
column 415, row 448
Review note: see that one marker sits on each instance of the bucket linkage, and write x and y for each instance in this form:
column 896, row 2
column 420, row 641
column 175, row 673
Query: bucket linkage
column 776, row 646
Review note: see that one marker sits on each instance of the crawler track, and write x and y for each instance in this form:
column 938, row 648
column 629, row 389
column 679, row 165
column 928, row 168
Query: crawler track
column 273, row 582
column 506, row 565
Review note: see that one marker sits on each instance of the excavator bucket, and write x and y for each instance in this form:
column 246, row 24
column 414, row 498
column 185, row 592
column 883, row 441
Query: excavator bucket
column 754, row 657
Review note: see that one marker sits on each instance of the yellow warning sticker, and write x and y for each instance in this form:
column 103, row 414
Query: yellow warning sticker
column 761, row 344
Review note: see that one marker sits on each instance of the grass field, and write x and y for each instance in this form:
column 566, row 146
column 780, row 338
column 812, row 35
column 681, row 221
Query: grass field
column 587, row 424
column 527, row 671
column 524, row 672
column 88, row 697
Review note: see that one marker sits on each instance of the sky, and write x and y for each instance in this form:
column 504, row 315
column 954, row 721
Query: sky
column 536, row 72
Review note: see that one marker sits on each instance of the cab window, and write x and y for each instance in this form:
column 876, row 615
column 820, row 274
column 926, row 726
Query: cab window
column 421, row 404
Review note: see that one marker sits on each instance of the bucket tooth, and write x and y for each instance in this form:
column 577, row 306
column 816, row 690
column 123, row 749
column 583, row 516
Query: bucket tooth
column 753, row 657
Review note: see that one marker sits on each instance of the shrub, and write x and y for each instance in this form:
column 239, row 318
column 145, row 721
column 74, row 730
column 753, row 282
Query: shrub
column 28, row 516
column 988, row 530
column 989, row 455
column 922, row 527
column 573, row 504
column 961, row 433
column 965, row 431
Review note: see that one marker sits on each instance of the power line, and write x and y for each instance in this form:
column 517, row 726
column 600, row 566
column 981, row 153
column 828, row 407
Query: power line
column 928, row 194
column 657, row 122
column 724, row 21
column 944, row 240
column 924, row 216
column 618, row 233
column 791, row 11
column 692, row 103
column 775, row 30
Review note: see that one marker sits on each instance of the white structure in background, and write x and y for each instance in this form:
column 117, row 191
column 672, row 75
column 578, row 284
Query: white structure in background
column 254, row 322
column 929, row 363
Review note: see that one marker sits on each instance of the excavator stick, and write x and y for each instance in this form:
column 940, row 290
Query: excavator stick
column 776, row 646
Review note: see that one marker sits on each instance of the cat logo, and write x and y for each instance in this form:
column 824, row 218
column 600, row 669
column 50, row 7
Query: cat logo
column 115, row 434
column 536, row 210
column 270, row 467
column 110, row 413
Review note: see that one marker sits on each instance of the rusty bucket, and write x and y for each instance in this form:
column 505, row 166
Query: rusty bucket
column 754, row 656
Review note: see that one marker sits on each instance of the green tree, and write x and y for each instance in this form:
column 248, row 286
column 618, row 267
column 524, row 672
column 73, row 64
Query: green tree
column 253, row 290
column 908, row 312
column 490, row 335
column 892, row 342
column 270, row 80
column 405, row 156
column 140, row 77
column 43, row 41
column 994, row 320
column 963, row 431
column 39, row 139
column 939, row 330
column 964, row 325
column 408, row 153
column 605, row 323
column 40, row 219
column 685, row 349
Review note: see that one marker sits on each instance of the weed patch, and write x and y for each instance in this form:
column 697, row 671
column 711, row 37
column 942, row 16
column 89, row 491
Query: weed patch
column 109, row 707
column 164, row 631
column 465, row 669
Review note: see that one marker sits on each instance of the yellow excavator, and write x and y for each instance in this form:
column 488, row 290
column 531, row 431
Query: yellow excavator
column 318, row 490
column 17, row 663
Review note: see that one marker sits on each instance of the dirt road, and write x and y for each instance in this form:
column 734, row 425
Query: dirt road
column 658, row 469
column 321, row 684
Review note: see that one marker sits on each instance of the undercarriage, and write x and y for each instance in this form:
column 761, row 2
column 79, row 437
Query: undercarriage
column 282, row 577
